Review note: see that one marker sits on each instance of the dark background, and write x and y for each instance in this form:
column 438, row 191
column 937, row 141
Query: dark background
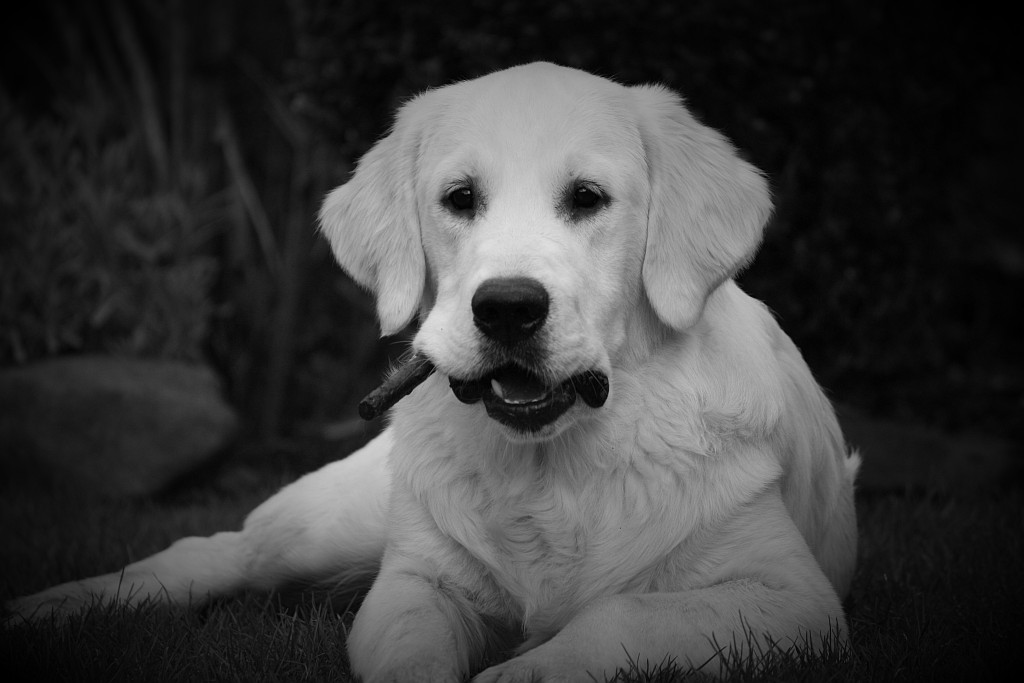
column 162, row 162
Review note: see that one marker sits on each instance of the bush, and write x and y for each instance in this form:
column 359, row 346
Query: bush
column 96, row 253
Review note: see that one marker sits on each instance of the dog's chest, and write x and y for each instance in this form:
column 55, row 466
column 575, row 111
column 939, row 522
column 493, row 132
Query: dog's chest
column 553, row 543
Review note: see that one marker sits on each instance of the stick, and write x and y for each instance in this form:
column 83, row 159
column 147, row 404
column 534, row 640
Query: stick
column 407, row 377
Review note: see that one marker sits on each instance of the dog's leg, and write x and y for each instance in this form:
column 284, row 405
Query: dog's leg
column 704, row 628
column 415, row 626
column 432, row 613
column 329, row 526
column 775, row 598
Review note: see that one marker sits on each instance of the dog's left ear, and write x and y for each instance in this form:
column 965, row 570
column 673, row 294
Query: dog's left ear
column 373, row 226
column 707, row 212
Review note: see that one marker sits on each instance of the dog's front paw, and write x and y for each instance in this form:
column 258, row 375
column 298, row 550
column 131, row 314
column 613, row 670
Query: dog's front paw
column 537, row 668
column 50, row 605
column 411, row 672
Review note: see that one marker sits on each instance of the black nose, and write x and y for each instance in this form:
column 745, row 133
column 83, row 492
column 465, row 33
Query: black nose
column 510, row 309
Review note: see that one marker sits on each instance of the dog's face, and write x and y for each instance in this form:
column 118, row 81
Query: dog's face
column 543, row 221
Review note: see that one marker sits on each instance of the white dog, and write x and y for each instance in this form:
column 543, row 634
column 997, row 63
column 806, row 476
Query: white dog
column 559, row 237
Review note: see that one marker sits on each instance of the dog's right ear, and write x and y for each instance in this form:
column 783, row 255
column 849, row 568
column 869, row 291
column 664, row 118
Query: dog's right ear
column 708, row 208
column 373, row 226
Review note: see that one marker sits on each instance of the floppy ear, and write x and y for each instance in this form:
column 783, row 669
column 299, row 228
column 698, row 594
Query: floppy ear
column 707, row 208
column 373, row 226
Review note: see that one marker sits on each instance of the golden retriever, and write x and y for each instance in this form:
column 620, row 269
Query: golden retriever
column 620, row 455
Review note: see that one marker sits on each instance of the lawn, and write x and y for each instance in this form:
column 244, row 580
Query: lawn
column 937, row 593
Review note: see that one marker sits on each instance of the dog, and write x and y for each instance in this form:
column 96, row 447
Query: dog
column 616, row 454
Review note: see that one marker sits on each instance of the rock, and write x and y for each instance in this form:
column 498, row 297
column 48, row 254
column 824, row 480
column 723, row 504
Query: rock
column 899, row 456
column 116, row 426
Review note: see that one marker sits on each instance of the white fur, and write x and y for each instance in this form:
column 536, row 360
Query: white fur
column 710, row 500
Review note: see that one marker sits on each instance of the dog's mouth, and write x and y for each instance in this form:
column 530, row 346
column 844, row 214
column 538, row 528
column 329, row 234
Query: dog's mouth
column 521, row 400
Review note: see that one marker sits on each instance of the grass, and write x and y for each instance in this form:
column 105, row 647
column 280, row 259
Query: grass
column 937, row 594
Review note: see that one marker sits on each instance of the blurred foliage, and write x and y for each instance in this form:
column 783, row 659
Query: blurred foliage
column 888, row 131
column 159, row 198
column 104, row 240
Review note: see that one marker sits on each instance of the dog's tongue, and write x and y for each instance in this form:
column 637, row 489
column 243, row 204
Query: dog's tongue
column 515, row 386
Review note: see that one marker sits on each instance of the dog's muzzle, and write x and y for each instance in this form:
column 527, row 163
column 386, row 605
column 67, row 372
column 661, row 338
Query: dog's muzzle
column 519, row 399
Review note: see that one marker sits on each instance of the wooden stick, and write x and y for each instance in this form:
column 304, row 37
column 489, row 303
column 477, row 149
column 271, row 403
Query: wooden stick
column 399, row 383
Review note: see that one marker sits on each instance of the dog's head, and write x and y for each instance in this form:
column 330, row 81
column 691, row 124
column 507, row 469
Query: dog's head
column 543, row 222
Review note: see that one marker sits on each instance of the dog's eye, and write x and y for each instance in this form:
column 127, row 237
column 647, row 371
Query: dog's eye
column 462, row 199
column 584, row 197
